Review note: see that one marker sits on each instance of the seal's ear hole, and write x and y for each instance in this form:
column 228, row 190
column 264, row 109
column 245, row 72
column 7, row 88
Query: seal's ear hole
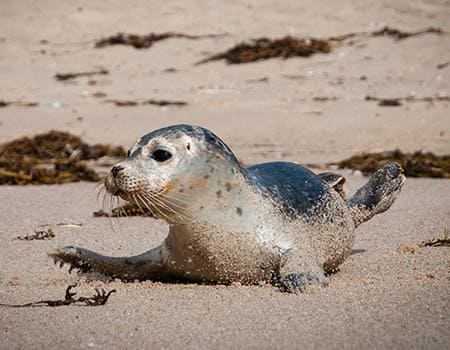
column 161, row 155
column 188, row 146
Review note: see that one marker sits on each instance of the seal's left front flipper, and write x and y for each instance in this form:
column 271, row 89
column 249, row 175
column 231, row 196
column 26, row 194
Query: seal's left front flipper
column 298, row 273
column 140, row 267
column 299, row 282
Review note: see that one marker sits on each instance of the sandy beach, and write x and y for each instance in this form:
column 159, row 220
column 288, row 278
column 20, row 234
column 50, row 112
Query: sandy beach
column 307, row 110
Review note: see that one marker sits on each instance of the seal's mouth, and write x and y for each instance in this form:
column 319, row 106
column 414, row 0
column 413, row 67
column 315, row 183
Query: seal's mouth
column 111, row 186
column 158, row 196
column 113, row 189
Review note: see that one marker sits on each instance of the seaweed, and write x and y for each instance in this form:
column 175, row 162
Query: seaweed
column 443, row 65
column 145, row 41
column 38, row 235
column 98, row 94
column 324, row 98
column 54, row 157
column 400, row 35
column 417, row 164
column 132, row 103
column 386, row 31
column 265, row 48
column 259, row 80
column 437, row 242
column 397, row 101
column 99, row 298
column 125, row 210
column 289, row 46
column 18, row 103
column 70, row 76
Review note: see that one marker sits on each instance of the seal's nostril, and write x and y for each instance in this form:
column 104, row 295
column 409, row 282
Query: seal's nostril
column 116, row 169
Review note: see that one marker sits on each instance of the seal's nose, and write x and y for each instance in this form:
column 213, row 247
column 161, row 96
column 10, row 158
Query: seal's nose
column 116, row 169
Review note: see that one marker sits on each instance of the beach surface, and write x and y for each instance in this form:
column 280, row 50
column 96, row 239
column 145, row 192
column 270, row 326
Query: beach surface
column 388, row 294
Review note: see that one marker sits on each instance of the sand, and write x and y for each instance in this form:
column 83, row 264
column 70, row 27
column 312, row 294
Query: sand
column 381, row 297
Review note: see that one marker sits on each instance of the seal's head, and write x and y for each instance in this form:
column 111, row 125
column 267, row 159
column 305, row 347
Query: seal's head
column 168, row 168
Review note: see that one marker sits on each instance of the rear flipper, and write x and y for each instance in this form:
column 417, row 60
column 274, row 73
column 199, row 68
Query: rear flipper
column 148, row 265
column 378, row 194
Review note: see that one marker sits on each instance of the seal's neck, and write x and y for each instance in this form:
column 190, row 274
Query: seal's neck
column 228, row 201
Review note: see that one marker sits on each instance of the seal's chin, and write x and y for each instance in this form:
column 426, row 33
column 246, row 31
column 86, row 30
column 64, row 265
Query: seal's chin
column 124, row 195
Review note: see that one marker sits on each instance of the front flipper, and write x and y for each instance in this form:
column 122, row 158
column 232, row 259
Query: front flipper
column 299, row 272
column 299, row 282
column 146, row 266
column 336, row 181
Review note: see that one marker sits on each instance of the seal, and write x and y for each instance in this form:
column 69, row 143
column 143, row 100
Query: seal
column 276, row 222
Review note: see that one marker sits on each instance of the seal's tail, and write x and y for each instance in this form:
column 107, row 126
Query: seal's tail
column 378, row 194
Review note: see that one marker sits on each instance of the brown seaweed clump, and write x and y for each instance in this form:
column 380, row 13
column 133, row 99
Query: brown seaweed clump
column 288, row 46
column 38, row 235
column 125, row 210
column 264, row 48
column 54, row 157
column 417, row 164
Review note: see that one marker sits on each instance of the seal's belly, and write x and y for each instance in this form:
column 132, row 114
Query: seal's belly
column 216, row 256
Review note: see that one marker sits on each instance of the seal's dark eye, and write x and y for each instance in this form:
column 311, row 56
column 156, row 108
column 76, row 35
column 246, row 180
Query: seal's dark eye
column 161, row 155
column 128, row 154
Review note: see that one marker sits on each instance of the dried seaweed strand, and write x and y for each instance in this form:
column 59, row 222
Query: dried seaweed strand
column 70, row 76
column 397, row 101
column 99, row 298
column 132, row 103
column 400, row 35
column 18, row 103
column 387, row 31
column 437, row 242
column 145, row 41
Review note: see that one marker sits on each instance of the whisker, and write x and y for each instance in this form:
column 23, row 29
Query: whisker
column 174, row 197
column 137, row 198
column 151, row 206
column 107, row 205
column 167, row 206
column 100, row 191
column 168, row 200
column 148, row 200
column 105, row 198
column 154, row 198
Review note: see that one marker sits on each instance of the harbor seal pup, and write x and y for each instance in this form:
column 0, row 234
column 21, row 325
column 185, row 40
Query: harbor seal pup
column 275, row 222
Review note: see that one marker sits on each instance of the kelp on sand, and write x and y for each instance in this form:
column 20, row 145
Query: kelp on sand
column 54, row 157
